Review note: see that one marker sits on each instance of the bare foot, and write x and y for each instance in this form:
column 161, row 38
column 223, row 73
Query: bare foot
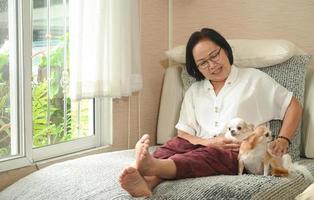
column 138, row 147
column 145, row 163
column 131, row 180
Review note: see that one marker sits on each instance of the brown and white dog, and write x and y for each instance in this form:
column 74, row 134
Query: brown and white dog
column 255, row 157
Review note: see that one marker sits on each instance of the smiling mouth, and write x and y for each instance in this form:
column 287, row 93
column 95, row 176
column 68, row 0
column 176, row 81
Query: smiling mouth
column 216, row 71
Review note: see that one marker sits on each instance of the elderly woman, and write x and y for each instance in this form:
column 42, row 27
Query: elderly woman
column 221, row 93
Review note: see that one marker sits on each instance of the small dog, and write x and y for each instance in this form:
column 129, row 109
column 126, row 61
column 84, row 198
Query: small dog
column 255, row 157
column 237, row 129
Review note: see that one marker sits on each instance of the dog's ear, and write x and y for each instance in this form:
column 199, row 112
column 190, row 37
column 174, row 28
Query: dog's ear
column 225, row 129
column 251, row 126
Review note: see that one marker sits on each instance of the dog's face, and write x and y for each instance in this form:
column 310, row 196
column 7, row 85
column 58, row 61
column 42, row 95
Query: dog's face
column 237, row 129
column 265, row 133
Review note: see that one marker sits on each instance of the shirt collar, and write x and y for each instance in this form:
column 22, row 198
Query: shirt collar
column 233, row 75
column 230, row 80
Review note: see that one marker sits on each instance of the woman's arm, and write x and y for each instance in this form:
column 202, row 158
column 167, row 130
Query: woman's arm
column 291, row 119
column 193, row 139
column 289, row 125
column 220, row 141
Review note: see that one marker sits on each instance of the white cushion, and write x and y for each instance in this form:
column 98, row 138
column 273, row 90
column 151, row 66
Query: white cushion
column 249, row 53
column 308, row 115
column 170, row 104
column 308, row 194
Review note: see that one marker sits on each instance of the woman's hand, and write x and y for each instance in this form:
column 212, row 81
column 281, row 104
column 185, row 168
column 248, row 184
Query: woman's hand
column 224, row 143
column 219, row 141
column 279, row 147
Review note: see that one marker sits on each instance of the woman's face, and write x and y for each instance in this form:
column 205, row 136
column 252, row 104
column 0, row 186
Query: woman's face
column 211, row 60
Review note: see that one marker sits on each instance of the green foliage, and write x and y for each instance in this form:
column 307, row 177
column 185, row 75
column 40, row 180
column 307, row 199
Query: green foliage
column 4, row 151
column 48, row 124
column 48, row 115
column 4, row 61
column 4, row 109
column 56, row 59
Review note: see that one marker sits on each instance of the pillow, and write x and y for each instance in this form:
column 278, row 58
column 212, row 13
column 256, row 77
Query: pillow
column 249, row 53
column 308, row 115
column 170, row 104
column 306, row 194
column 291, row 75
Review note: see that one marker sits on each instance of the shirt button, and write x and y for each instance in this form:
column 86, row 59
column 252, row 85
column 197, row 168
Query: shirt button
column 216, row 109
column 216, row 124
column 229, row 83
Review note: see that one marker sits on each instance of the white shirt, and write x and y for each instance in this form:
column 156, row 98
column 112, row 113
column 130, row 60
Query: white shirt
column 248, row 93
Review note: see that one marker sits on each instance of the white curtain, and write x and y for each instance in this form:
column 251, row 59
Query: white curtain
column 104, row 48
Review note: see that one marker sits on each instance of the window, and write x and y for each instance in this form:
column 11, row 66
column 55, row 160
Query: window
column 38, row 120
column 8, row 86
column 55, row 117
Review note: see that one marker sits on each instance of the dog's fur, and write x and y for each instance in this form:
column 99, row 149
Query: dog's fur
column 237, row 129
column 295, row 168
column 255, row 157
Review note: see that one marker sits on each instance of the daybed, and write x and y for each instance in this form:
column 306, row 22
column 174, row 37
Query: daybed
column 96, row 176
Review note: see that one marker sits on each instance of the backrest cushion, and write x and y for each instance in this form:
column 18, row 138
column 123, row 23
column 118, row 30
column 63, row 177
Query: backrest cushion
column 249, row 53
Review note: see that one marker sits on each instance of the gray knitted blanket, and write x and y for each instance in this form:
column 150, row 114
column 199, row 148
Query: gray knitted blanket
column 96, row 177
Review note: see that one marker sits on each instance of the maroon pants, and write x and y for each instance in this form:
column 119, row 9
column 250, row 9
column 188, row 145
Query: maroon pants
column 197, row 160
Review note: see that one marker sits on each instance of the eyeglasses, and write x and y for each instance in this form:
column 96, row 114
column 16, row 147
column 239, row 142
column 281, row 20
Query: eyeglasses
column 213, row 58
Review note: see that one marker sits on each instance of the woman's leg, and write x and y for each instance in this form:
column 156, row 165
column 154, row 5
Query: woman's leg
column 153, row 181
column 133, row 182
column 136, row 185
column 202, row 161
column 147, row 165
column 174, row 146
column 206, row 161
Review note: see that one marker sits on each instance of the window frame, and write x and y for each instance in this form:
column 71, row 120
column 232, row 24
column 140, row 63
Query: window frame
column 23, row 106
column 27, row 155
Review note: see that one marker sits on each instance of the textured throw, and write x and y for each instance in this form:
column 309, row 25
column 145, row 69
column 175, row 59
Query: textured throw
column 95, row 177
column 291, row 75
